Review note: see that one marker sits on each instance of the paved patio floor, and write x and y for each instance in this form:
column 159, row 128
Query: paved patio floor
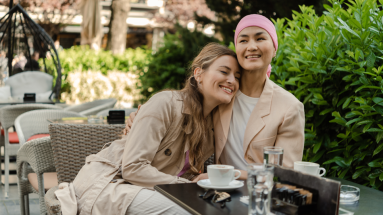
column 11, row 206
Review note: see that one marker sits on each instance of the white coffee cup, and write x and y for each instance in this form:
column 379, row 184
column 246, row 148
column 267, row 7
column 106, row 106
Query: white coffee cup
column 309, row 168
column 221, row 175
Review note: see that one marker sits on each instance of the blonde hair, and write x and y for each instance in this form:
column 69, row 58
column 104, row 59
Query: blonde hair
column 193, row 99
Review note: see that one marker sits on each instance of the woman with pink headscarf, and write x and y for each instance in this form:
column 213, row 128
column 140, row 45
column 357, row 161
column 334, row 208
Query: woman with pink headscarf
column 261, row 113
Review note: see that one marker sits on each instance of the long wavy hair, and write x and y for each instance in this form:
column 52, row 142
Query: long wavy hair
column 193, row 99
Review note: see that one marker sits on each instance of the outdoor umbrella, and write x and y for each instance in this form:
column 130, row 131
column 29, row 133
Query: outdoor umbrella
column 91, row 23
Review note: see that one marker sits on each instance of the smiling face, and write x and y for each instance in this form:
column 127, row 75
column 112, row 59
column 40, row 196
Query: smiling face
column 220, row 81
column 255, row 49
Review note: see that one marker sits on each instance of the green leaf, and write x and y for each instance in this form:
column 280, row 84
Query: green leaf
column 318, row 70
column 346, row 103
column 326, row 111
column 336, row 158
column 344, row 172
column 379, row 109
column 371, row 60
column 378, row 100
column 317, row 147
column 374, row 164
column 358, row 173
column 354, row 120
column 341, row 135
column 374, row 130
column 381, row 176
column 371, row 87
column 345, row 26
column 377, row 150
column 319, row 102
column 317, row 156
column 366, row 127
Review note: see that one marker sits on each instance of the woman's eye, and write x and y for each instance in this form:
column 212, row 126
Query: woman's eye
column 260, row 39
column 242, row 41
column 224, row 72
column 237, row 78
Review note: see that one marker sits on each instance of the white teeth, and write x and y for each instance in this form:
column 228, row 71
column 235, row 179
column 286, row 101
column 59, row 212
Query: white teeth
column 254, row 56
column 227, row 89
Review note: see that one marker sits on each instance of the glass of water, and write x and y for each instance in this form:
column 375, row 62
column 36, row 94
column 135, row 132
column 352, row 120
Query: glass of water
column 260, row 184
column 273, row 155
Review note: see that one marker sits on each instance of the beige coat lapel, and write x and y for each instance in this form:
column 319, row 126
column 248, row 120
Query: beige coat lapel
column 222, row 118
column 256, row 123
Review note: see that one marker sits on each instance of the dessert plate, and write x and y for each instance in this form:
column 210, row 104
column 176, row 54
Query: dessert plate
column 232, row 186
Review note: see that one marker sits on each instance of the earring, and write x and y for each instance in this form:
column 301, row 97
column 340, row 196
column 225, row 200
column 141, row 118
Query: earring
column 199, row 82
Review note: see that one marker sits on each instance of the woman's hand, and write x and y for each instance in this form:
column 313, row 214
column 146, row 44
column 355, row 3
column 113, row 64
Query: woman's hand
column 200, row 177
column 129, row 122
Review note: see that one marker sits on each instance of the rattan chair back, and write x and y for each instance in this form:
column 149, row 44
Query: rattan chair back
column 9, row 113
column 36, row 122
column 72, row 143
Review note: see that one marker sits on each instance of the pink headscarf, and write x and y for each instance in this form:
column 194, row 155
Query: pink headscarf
column 258, row 21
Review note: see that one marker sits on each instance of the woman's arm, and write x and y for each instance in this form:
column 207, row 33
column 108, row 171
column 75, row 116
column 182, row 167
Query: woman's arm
column 291, row 136
column 150, row 127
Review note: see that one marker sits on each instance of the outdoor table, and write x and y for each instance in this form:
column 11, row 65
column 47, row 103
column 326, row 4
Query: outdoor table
column 79, row 121
column 187, row 196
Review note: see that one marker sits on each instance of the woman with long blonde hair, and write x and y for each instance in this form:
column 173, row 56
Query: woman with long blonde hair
column 169, row 142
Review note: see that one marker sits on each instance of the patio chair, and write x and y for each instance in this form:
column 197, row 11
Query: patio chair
column 36, row 158
column 34, row 124
column 71, row 144
column 34, row 164
column 106, row 112
column 8, row 115
column 92, row 108
column 30, row 82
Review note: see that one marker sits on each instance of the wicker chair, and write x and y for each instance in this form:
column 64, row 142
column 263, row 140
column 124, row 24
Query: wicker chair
column 34, row 157
column 38, row 154
column 71, row 144
column 92, row 108
column 106, row 112
column 8, row 115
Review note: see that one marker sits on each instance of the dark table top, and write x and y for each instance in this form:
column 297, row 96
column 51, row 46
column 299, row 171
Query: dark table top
column 187, row 196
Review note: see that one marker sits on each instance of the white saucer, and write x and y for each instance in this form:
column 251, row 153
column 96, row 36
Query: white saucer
column 232, row 186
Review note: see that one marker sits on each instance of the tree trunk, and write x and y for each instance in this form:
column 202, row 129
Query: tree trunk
column 117, row 26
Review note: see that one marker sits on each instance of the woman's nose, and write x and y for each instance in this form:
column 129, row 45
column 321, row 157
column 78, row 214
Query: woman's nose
column 252, row 46
column 231, row 79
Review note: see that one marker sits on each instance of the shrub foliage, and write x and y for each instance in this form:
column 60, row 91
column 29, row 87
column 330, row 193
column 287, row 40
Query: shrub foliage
column 82, row 58
column 169, row 65
column 333, row 63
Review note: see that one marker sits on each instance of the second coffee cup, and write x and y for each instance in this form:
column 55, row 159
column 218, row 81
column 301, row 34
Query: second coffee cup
column 222, row 175
column 309, row 168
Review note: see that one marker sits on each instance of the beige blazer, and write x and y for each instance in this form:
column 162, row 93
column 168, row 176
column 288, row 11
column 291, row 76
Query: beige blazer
column 152, row 153
column 278, row 119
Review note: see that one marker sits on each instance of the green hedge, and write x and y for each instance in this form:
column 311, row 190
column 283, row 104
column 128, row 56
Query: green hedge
column 168, row 67
column 333, row 63
column 82, row 58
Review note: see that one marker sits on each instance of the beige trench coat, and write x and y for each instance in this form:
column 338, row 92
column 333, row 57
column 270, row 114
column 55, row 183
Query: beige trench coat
column 152, row 153
column 278, row 119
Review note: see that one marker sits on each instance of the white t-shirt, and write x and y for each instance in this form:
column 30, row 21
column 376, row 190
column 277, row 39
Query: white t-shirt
column 233, row 153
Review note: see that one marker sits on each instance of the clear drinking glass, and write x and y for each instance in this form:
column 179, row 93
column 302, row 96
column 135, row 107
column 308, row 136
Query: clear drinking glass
column 273, row 155
column 260, row 184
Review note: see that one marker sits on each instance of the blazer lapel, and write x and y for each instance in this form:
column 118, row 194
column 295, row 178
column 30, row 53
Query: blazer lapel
column 222, row 118
column 256, row 123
